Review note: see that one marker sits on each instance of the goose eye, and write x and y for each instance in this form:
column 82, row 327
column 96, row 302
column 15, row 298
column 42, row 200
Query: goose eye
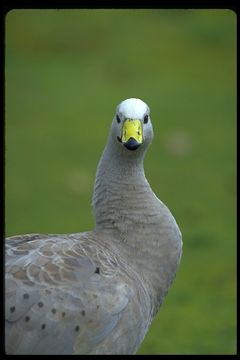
column 118, row 119
column 145, row 120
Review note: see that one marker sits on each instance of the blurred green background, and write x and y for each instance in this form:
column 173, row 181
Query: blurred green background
column 65, row 72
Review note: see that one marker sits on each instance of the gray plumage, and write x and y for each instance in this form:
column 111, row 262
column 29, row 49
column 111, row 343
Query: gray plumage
column 97, row 292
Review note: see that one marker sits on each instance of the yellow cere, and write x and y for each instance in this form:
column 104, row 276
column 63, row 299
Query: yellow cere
column 132, row 128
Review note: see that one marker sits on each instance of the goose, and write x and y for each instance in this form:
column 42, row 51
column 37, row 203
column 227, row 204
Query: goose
column 97, row 292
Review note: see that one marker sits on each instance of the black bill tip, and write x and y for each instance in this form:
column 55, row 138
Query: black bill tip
column 131, row 144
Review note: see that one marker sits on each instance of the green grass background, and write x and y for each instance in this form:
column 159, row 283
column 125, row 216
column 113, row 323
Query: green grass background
column 65, row 72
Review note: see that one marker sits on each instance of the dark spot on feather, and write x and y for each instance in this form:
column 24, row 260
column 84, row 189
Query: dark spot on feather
column 48, row 291
column 54, row 311
column 98, row 306
column 43, row 326
column 77, row 328
column 63, row 313
column 26, row 296
column 97, row 271
column 83, row 312
column 12, row 309
column 27, row 318
column 40, row 304
column 90, row 321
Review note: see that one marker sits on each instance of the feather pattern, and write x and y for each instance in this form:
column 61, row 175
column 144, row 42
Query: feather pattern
column 68, row 291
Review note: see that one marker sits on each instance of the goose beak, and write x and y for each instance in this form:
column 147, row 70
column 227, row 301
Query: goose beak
column 132, row 136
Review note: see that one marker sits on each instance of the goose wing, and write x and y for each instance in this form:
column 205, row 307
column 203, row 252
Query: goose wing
column 69, row 294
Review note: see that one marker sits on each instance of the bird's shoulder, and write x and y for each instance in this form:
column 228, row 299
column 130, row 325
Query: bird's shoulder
column 68, row 287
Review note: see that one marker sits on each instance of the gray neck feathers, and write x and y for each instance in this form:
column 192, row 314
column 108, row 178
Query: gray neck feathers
column 120, row 186
column 142, row 228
